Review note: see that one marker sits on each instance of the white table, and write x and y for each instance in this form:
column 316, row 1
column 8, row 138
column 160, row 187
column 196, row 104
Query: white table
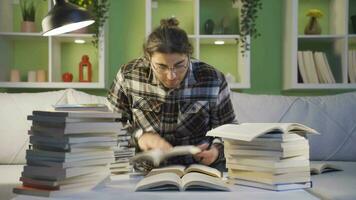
column 122, row 187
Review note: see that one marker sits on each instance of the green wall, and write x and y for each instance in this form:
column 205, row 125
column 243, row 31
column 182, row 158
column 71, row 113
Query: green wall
column 126, row 36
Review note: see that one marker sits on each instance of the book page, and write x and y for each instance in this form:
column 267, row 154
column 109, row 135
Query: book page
column 163, row 181
column 177, row 169
column 249, row 131
column 203, row 169
column 199, row 181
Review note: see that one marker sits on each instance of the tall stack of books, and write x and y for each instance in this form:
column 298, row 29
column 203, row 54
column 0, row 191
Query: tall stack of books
column 272, row 156
column 69, row 152
column 123, row 152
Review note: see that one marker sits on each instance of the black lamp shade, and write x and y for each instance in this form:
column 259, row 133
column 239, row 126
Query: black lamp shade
column 65, row 17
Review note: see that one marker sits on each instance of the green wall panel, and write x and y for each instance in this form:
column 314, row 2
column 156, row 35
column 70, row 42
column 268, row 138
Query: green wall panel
column 30, row 55
column 227, row 60
column 182, row 10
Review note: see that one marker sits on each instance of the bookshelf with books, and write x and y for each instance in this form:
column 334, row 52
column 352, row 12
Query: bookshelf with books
column 29, row 53
column 214, row 44
column 325, row 55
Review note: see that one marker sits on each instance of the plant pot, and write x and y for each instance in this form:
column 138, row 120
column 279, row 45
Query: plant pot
column 28, row 26
column 353, row 22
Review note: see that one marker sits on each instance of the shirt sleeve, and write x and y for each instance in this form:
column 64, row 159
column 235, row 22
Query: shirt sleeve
column 222, row 113
column 118, row 98
column 119, row 101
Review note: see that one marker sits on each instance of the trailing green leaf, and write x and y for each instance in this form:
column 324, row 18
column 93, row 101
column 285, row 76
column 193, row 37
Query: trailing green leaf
column 249, row 11
column 100, row 11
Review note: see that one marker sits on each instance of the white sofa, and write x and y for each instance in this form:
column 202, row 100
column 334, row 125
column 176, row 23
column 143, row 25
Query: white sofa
column 333, row 116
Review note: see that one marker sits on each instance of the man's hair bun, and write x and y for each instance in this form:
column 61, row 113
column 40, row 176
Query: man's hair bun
column 170, row 22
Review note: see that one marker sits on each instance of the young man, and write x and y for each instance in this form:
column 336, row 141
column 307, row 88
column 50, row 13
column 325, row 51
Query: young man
column 170, row 99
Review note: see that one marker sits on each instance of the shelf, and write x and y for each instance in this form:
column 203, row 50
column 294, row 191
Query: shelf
column 192, row 14
column 324, row 86
column 321, row 36
column 334, row 42
column 55, row 55
column 50, row 85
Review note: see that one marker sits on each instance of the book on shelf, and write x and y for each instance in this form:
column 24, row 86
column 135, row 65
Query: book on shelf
column 310, row 67
column 195, row 177
column 323, row 69
column 250, row 131
column 81, row 107
column 156, row 156
column 352, row 66
column 301, row 67
column 319, row 167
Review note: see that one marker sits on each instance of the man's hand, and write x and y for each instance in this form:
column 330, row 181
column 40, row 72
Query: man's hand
column 150, row 141
column 207, row 156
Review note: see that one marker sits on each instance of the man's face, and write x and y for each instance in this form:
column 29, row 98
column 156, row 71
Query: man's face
column 170, row 69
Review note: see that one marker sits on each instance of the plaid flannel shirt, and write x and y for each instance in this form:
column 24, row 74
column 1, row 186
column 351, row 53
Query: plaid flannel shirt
column 182, row 116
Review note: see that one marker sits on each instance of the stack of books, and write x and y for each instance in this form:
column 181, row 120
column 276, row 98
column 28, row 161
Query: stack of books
column 69, row 151
column 123, row 152
column 272, row 156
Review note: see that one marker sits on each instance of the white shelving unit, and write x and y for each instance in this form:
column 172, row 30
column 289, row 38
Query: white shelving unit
column 335, row 41
column 54, row 55
column 199, row 40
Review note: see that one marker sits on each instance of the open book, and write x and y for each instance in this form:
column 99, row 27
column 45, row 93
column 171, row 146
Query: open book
column 249, row 131
column 157, row 156
column 321, row 167
column 194, row 177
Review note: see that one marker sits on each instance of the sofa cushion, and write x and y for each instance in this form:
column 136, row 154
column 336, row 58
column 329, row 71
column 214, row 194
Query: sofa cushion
column 14, row 124
column 333, row 116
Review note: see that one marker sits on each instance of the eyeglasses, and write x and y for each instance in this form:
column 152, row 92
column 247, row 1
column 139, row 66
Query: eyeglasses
column 165, row 69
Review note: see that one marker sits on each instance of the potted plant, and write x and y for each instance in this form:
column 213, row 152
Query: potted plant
column 249, row 11
column 99, row 9
column 28, row 12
